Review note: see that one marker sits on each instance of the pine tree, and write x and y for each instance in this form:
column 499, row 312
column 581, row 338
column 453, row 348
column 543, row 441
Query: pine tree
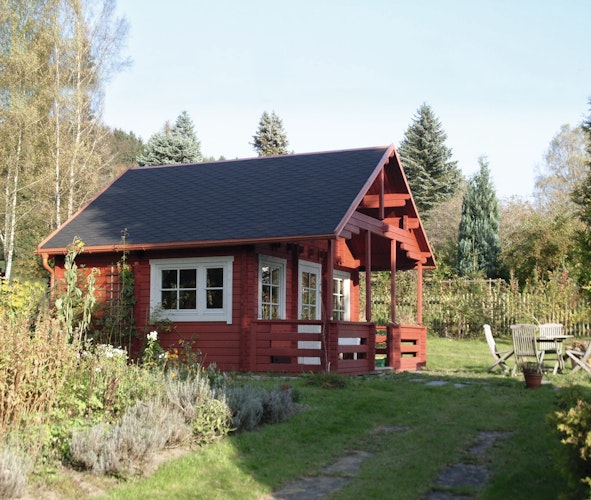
column 270, row 138
column 176, row 144
column 478, row 239
column 426, row 160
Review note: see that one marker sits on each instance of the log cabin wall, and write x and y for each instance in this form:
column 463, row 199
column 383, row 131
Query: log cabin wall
column 228, row 345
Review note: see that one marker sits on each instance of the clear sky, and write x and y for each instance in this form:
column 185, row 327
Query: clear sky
column 502, row 76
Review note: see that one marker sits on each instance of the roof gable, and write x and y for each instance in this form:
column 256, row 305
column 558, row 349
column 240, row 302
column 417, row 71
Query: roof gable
column 305, row 195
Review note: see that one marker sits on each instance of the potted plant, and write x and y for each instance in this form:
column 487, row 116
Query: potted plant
column 532, row 373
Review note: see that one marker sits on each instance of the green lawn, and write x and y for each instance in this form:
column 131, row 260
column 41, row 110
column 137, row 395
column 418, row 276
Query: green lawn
column 440, row 423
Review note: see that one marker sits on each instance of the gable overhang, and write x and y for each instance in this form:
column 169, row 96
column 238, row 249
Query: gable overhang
column 128, row 247
column 407, row 230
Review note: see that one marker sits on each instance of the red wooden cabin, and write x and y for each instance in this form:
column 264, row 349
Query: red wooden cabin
column 258, row 261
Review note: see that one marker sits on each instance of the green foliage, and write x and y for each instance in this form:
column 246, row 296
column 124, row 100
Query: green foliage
column 177, row 144
column 125, row 147
column 457, row 308
column 254, row 405
column 582, row 198
column 326, row 380
column 115, row 322
column 212, row 422
column 124, row 448
column 432, row 175
column 20, row 298
column 270, row 138
column 541, row 242
column 573, row 426
column 153, row 354
column 75, row 305
column 478, row 239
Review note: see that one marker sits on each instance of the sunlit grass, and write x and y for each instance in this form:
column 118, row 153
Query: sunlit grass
column 436, row 425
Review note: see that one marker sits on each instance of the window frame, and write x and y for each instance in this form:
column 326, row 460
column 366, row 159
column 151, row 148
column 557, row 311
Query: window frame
column 346, row 277
column 307, row 266
column 281, row 265
column 201, row 265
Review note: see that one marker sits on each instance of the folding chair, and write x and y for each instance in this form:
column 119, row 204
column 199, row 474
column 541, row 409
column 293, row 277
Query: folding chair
column 580, row 359
column 525, row 345
column 549, row 331
column 499, row 357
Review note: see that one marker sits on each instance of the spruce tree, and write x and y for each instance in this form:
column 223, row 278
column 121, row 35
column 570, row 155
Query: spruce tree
column 176, row 144
column 478, row 239
column 270, row 139
column 432, row 175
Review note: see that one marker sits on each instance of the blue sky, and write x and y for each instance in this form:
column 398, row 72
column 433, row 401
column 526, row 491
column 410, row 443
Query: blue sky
column 501, row 76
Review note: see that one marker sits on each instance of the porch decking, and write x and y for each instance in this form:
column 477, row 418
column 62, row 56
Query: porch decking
column 338, row 346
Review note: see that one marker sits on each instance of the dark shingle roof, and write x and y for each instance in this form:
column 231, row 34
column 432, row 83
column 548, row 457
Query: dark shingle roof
column 276, row 197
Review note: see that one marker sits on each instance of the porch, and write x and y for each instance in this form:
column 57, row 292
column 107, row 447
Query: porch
column 340, row 346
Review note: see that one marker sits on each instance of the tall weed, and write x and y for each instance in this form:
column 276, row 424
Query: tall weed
column 36, row 361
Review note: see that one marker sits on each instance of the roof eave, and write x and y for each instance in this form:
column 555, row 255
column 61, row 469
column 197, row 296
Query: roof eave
column 129, row 247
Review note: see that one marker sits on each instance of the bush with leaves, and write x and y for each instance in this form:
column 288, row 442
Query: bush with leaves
column 124, row 448
column 572, row 423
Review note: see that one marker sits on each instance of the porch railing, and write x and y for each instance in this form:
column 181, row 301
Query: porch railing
column 301, row 346
column 339, row 346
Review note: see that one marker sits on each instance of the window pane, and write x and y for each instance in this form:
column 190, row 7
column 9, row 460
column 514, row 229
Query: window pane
column 274, row 312
column 188, row 278
column 215, row 299
column 168, row 299
column 169, row 278
column 305, row 280
column 215, row 277
column 265, row 275
column 187, row 299
column 275, row 276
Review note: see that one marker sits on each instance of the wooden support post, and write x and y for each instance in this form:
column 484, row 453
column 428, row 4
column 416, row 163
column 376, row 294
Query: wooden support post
column 419, row 293
column 381, row 213
column 330, row 344
column 367, row 276
column 393, row 281
column 329, row 273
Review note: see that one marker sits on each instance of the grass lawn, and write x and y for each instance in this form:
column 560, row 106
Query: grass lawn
column 436, row 426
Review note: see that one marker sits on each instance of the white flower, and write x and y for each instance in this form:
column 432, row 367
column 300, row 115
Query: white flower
column 153, row 336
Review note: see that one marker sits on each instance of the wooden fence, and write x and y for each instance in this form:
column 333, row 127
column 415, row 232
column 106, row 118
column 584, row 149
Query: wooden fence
column 458, row 308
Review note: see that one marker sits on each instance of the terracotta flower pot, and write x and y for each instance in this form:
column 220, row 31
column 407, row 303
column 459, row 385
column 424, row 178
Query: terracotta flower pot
column 533, row 380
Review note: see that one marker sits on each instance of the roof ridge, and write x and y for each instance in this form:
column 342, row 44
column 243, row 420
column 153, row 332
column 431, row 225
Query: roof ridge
column 259, row 158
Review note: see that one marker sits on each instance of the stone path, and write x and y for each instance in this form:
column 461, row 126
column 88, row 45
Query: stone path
column 465, row 476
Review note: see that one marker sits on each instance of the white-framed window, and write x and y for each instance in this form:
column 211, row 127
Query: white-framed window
column 341, row 296
column 192, row 289
column 309, row 279
column 271, row 287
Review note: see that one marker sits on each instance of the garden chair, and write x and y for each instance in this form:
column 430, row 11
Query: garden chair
column 580, row 359
column 499, row 357
column 525, row 345
column 549, row 331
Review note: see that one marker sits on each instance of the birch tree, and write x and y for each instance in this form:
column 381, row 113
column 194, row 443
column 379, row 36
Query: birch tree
column 55, row 56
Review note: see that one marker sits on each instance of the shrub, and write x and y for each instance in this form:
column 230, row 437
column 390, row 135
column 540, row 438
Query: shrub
column 188, row 394
column 123, row 448
column 252, row 406
column 330, row 380
column 14, row 470
column 573, row 426
column 246, row 404
column 277, row 405
column 212, row 422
